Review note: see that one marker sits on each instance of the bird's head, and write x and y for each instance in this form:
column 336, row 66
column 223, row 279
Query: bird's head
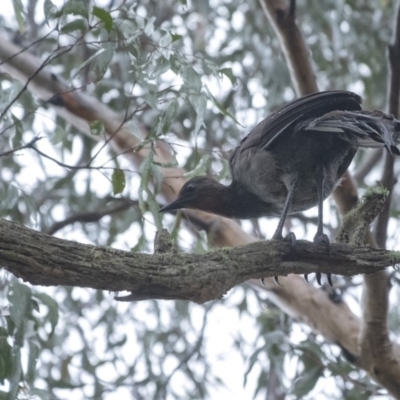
column 199, row 193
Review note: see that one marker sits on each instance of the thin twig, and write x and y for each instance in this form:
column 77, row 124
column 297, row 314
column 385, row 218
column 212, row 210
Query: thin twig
column 25, row 146
column 91, row 216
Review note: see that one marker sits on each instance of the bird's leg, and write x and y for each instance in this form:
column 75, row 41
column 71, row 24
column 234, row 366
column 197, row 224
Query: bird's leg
column 320, row 237
column 291, row 191
column 278, row 233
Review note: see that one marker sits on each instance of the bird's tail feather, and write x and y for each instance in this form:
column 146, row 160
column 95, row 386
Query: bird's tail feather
column 362, row 128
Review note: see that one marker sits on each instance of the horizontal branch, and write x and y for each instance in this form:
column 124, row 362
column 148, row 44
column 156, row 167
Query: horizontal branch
column 45, row 260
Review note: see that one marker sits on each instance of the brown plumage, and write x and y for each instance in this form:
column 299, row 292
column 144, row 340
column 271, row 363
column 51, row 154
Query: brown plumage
column 293, row 160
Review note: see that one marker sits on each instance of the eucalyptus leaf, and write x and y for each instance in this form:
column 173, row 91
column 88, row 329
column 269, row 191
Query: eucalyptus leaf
column 118, row 181
column 52, row 307
column 20, row 297
column 104, row 16
column 306, row 382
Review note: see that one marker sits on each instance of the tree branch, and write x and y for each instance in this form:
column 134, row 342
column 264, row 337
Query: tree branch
column 388, row 179
column 282, row 15
column 45, row 260
column 378, row 355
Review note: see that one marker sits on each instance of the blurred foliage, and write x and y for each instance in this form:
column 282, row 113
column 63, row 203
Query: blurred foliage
column 197, row 75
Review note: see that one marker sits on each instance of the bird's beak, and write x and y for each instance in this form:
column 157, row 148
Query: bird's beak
column 175, row 205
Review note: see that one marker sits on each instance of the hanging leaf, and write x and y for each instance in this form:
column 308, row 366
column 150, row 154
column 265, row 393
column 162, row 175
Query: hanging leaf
column 221, row 108
column 19, row 15
column 118, row 181
column 75, row 25
column 75, row 7
column 199, row 103
column 20, row 297
column 50, row 10
column 52, row 307
column 306, row 382
column 104, row 16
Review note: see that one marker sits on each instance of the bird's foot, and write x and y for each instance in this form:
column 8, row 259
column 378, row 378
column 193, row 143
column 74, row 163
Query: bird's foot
column 322, row 238
column 291, row 238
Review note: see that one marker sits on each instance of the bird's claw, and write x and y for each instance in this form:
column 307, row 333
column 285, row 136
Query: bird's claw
column 276, row 280
column 290, row 237
column 322, row 238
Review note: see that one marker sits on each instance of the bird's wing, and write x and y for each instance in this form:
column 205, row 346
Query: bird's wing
column 361, row 128
column 312, row 106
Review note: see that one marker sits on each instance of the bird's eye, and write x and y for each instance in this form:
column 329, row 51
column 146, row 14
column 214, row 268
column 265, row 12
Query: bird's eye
column 190, row 188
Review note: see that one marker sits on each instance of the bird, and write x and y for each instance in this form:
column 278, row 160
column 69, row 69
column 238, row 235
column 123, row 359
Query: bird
column 292, row 161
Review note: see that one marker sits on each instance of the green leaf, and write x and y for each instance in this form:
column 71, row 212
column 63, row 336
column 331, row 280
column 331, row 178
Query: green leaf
column 16, row 372
column 199, row 103
column 221, row 108
column 9, row 199
column 75, row 7
column 50, row 10
column 19, row 131
column 75, row 25
column 229, row 74
column 175, row 37
column 306, row 382
column 201, row 168
column 19, row 14
column 104, row 16
column 149, row 27
column 5, row 355
column 19, row 297
column 153, row 208
column 252, row 360
column 102, row 59
column 162, row 65
column 96, row 128
column 118, row 181
column 191, row 78
column 32, row 360
column 52, row 306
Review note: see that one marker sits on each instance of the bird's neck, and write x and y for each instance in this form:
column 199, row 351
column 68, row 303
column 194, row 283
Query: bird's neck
column 235, row 202
column 222, row 201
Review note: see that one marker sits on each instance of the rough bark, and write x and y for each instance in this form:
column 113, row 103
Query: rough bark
column 47, row 260
column 378, row 355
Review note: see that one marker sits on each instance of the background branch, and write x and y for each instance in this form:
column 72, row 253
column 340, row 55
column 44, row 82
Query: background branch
column 281, row 14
